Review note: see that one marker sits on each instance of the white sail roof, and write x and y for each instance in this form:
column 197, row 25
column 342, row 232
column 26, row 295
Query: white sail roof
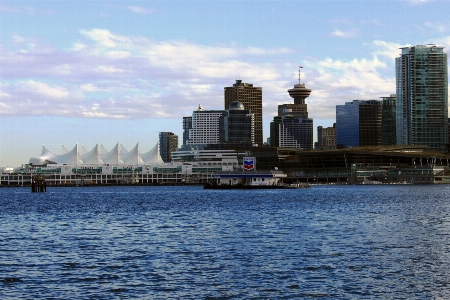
column 123, row 150
column 45, row 157
column 70, row 158
column 93, row 157
column 83, row 150
column 64, row 150
column 113, row 157
column 133, row 157
column 152, row 156
column 103, row 150
column 99, row 155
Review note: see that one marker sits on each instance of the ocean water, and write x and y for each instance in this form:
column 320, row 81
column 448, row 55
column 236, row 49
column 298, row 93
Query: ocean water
column 326, row 242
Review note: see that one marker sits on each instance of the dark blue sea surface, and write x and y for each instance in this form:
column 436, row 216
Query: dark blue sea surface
column 326, row 242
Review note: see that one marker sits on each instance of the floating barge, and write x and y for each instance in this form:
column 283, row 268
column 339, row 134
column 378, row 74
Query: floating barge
column 243, row 179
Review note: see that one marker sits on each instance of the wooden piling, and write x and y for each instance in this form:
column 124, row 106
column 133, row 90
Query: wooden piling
column 38, row 184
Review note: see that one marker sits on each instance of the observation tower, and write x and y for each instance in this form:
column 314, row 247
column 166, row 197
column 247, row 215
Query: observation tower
column 299, row 92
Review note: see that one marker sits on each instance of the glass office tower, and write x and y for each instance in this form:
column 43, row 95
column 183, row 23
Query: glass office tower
column 358, row 123
column 388, row 126
column 422, row 97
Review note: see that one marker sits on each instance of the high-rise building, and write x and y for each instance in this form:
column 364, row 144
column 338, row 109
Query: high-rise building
column 292, row 128
column 168, row 143
column 251, row 98
column 294, row 132
column 388, row 120
column 422, row 97
column 205, row 126
column 238, row 126
column 326, row 137
column 358, row 123
column 347, row 124
column 187, row 124
column 370, row 123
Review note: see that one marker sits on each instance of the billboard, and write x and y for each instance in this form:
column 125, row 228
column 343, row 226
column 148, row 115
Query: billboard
column 249, row 163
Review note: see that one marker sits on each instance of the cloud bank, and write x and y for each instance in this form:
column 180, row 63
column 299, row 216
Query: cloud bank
column 106, row 75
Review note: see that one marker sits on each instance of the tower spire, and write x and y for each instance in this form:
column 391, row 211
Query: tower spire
column 300, row 67
column 299, row 92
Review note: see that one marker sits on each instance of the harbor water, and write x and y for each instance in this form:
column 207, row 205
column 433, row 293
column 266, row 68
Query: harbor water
column 183, row 242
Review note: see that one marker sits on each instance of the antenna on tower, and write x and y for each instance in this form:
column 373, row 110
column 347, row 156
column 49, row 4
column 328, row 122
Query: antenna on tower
column 300, row 67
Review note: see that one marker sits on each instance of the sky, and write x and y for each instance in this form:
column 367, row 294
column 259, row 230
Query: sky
column 108, row 72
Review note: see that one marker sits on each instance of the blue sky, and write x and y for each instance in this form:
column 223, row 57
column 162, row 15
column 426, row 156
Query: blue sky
column 110, row 72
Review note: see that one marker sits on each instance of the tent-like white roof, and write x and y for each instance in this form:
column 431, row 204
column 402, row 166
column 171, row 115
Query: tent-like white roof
column 79, row 156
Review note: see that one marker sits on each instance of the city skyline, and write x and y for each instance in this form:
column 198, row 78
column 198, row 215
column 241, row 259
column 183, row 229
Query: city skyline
column 125, row 71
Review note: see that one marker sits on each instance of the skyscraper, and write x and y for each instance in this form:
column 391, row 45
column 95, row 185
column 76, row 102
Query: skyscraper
column 251, row 98
column 168, row 142
column 422, row 97
column 237, row 127
column 370, row 112
column 187, row 124
column 358, row 123
column 388, row 120
column 205, row 127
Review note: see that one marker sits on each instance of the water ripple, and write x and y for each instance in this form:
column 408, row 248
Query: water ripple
column 335, row 242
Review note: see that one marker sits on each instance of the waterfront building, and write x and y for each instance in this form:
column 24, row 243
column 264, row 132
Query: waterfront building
column 251, row 98
column 358, row 123
column 120, row 166
column 205, row 126
column 400, row 163
column 237, row 126
column 386, row 164
column 168, row 142
column 388, row 121
column 326, row 137
column 422, row 97
column 98, row 156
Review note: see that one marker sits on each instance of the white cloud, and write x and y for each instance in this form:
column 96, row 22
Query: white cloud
column 108, row 69
column 45, row 89
column 17, row 9
column 336, row 81
column 141, row 10
column 89, row 87
column 118, row 54
column 345, row 34
column 437, row 26
column 444, row 42
column 417, row 2
column 4, row 95
column 388, row 49
column 104, row 37
column 78, row 47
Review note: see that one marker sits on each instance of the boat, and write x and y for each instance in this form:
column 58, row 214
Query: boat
column 247, row 180
column 210, row 186
column 297, row 185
